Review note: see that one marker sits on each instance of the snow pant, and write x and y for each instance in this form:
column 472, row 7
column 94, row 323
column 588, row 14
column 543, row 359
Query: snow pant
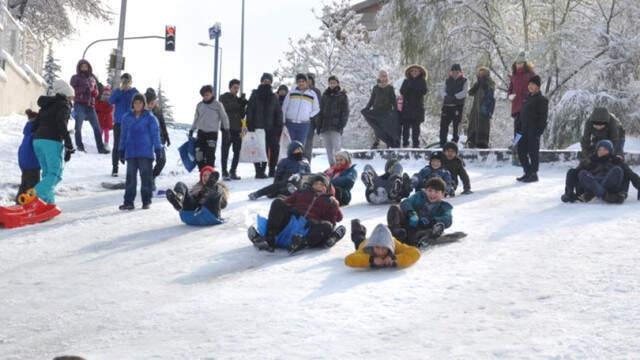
column 308, row 141
column 600, row 185
column 50, row 157
column 332, row 143
column 298, row 132
column 206, row 143
column 412, row 127
column 85, row 112
column 450, row 114
column 231, row 139
column 144, row 166
column 160, row 163
column 189, row 203
column 572, row 184
column 279, row 215
column 280, row 188
column 115, row 151
column 529, row 153
column 379, row 189
column 272, row 142
column 400, row 229
column 28, row 180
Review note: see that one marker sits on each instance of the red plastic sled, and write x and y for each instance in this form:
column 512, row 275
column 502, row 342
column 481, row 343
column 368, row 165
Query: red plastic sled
column 32, row 213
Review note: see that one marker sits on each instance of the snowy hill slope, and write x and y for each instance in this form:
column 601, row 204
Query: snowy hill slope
column 535, row 279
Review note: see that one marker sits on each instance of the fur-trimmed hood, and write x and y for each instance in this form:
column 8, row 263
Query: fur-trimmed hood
column 424, row 71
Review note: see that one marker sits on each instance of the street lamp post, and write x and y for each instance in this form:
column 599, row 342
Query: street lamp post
column 242, row 51
column 119, row 51
column 214, row 34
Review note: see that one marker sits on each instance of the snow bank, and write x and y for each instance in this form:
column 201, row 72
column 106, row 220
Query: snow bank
column 632, row 144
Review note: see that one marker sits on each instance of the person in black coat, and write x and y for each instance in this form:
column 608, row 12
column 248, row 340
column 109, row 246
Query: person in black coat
column 288, row 175
column 413, row 90
column 264, row 112
column 454, row 94
column 533, row 121
column 236, row 108
column 334, row 114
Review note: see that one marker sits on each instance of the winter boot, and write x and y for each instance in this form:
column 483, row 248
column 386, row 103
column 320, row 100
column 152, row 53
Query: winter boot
column 272, row 173
column 233, row 176
column 336, row 236
column 146, row 206
column 114, row 171
column 297, row 243
column 253, row 196
column 175, row 199
column 225, row 176
column 569, row 198
column 395, row 189
column 586, row 197
column 81, row 148
column 126, row 207
column 358, row 233
column 259, row 241
column 103, row 151
column 367, row 179
column 533, row 177
column 521, row 178
column 614, row 197
column 400, row 234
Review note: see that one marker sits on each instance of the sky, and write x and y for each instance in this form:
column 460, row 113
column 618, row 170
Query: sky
column 268, row 27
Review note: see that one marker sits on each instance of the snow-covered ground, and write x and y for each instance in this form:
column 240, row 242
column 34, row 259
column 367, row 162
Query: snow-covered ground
column 535, row 278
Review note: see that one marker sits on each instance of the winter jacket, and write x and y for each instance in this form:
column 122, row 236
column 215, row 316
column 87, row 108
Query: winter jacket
column 210, row 117
column 413, row 92
column 264, row 110
column 600, row 166
column 290, row 166
column 27, row 159
column 484, row 102
column 334, row 112
column 383, row 99
column 139, row 135
column 105, row 114
column 345, row 180
column 612, row 131
column 236, row 109
column 85, row 85
column 455, row 91
column 300, row 107
column 533, row 116
column 403, row 255
column 314, row 206
column 122, row 100
column 418, row 180
column 519, row 86
column 164, row 134
column 201, row 193
column 52, row 120
column 457, row 169
column 418, row 204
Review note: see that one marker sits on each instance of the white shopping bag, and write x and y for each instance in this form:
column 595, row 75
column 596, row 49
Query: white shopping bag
column 254, row 147
column 285, row 141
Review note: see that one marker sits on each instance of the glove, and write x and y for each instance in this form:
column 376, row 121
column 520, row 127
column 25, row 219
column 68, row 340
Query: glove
column 191, row 133
column 413, row 221
column 437, row 230
column 467, row 192
column 425, row 221
column 512, row 97
column 67, row 154
column 294, row 178
column 122, row 157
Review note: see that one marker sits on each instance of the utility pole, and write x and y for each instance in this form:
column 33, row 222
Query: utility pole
column 242, row 52
column 214, row 34
column 119, row 51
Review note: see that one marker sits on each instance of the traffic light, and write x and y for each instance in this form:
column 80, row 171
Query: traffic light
column 170, row 38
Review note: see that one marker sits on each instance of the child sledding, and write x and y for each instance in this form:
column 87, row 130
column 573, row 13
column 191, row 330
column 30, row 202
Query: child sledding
column 289, row 172
column 421, row 219
column 343, row 176
column 432, row 171
column 200, row 205
column 379, row 250
column 305, row 219
column 603, row 175
column 390, row 187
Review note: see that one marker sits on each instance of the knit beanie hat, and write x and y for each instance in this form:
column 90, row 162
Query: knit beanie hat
column 456, row 67
column 450, row 146
column 536, row 80
column 301, row 77
column 150, row 95
column 266, row 76
column 345, row 155
column 607, row 144
column 334, row 78
column 521, row 58
column 62, row 87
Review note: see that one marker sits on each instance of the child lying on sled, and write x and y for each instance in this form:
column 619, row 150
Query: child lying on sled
column 380, row 250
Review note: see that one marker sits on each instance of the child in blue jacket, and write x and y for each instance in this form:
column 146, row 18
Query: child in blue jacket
column 139, row 141
column 121, row 98
column 27, row 159
column 422, row 217
column 434, row 170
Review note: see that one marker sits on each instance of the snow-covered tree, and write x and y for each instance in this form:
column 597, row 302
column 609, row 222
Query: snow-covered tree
column 51, row 70
column 163, row 102
column 51, row 19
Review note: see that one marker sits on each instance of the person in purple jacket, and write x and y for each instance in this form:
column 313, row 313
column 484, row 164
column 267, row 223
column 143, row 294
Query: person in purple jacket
column 85, row 86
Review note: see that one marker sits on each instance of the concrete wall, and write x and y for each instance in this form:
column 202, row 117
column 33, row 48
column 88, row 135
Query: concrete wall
column 18, row 90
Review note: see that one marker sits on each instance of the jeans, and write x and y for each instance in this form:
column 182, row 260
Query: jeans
column 115, row 152
column 50, row 157
column 529, row 153
column 279, row 215
column 144, row 166
column 599, row 186
column 308, row 141
column 85, row 112
column 160, row 163
column 332, row 143
column 298, row 132
column 450, row 114
column 231, row 138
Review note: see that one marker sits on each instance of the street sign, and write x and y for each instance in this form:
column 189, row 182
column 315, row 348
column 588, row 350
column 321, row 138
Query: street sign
column 215, row 31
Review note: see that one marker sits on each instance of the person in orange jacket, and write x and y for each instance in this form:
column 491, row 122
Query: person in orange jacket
column 380, row 250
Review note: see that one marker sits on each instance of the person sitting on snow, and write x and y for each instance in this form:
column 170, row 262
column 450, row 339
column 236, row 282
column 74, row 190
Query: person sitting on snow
column 288, row 174
column 422, row 218
column 455, row 165
column 315, row 203
column 343, row 176
column 602, row 125
column 390, row 187
column 603, row 175
column 27, row 160
column 434, row 170
column 380, row 250
column 201, row 204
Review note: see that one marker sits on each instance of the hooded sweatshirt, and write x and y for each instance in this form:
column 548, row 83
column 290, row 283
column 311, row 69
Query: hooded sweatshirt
column 403, row 255
column 300, row 107
column 84, row 84
column 210, row 117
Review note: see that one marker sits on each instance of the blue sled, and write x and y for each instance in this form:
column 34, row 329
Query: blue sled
column 296, row 226
column 200, row 217
column 188, row 154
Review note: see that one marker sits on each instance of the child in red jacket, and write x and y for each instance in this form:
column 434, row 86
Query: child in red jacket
column 104, row 111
